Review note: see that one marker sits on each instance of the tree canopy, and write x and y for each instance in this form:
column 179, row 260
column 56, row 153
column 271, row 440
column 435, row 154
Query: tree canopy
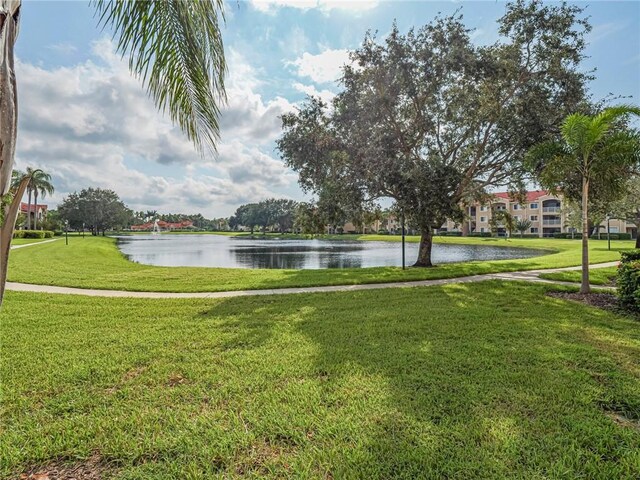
column 95, row 208
column 432, row 121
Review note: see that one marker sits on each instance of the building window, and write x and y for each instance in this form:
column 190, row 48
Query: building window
column 516, row 207
column 534, row 206
column 516, row 218
column 483, row 208
column 534, row 229
column 483, row 219
column 533, row 218
column 614, row 230
column 482, row 230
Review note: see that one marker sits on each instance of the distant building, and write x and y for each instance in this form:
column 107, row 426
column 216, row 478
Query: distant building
column 34, row 211
column 545, row 211
column 184, row 225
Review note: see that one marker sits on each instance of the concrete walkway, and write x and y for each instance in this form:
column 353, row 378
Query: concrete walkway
column 528, row 276
column 24, row 245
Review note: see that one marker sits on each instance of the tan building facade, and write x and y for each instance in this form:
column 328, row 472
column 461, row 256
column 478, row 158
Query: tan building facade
column 545, row 211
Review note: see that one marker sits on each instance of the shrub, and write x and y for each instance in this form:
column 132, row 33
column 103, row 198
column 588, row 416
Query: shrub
column 480, row 234
column 383, row 231
column 628, row 281
column 33, row 234
column 576, row 235
column 449, row 234
column 58, row 233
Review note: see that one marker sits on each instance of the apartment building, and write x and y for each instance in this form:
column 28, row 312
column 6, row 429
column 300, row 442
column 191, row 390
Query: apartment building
column 545, row 211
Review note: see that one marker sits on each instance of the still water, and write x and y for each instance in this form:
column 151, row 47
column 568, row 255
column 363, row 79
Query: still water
column 241, row 252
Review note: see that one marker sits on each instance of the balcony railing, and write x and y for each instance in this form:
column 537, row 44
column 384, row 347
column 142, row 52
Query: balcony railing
column 552, row 221
column 551, row 209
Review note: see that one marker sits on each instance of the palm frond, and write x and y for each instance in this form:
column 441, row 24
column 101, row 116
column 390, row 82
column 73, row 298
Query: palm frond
column 175, row 48
column 575, row 130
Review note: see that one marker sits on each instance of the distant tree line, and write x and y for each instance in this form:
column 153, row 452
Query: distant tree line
column 271, row 214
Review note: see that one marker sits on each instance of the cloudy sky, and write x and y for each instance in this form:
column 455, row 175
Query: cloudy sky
column 85, row 120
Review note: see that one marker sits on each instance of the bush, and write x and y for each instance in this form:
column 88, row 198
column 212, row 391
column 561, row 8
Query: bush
column 480, row 234
column 33, row 234
column 383, row 231
column 603, row 236
column 449, row 234
column 58, row 233
column 526, row 235
column 576, row 235
column 628, row 281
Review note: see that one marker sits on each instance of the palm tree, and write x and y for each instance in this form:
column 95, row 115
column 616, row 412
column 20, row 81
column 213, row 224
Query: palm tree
column 174, row 47
column 522, row 226
column 40, row 185
column 591, row 149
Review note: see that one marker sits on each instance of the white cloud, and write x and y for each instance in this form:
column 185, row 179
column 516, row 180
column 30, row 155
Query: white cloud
column 603, row 30
column 325, row 95
column 93, row 125
column 324, row 67
column 325, row 6
column 64, row 48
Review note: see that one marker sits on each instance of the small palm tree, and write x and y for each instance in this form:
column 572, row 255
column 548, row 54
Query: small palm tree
column 40, row 184
column 590, row 148
column 522, row 226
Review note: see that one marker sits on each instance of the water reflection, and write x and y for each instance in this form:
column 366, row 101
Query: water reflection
column 238, row 252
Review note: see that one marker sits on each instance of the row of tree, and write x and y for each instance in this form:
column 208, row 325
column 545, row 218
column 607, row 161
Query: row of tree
column 199, row 221
column 271, row 213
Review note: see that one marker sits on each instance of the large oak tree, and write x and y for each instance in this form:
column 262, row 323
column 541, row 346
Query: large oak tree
column 433, row 121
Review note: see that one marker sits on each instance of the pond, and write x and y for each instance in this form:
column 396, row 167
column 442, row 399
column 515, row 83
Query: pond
column 194, row 250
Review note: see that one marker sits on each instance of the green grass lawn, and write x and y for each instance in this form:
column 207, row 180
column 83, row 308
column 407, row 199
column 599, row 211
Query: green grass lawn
column 96, row 262
column 493, row 380
column 597, row 276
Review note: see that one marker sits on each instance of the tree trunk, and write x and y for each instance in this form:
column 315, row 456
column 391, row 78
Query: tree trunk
column 424, row 252
column 35, row 209
column 29, row 209
column 6, row 232
column 584, row 286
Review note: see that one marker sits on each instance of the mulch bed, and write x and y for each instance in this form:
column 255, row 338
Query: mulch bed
column 91, row 469
column 605, row 301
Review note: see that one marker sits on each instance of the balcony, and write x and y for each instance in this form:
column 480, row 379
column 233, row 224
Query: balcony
column 551, row 209
column 551, row 221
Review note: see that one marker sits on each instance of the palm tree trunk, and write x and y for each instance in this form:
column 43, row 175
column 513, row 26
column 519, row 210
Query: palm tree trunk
column 426, row 244
column 35, row 209
column 28, row 208
column 6, row 233
column 584, row 286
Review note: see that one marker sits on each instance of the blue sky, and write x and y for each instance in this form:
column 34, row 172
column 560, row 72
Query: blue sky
column 86, row 121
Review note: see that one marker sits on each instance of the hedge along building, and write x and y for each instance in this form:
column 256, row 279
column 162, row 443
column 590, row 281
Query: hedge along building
column 546, row 212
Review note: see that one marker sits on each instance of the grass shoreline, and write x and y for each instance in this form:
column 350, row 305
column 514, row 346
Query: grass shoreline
column 96, row 262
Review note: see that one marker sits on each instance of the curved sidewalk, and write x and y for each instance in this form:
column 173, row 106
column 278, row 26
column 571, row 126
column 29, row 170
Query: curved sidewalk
column 529, row 276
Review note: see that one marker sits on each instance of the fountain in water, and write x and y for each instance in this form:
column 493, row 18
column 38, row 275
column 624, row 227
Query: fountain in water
column 156, row 228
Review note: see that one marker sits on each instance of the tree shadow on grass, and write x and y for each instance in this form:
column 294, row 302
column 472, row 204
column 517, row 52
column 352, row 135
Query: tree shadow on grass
column 440, row 382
